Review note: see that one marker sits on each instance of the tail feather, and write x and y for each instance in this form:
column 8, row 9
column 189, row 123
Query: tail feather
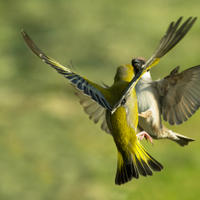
column 143, row 168
column 183, row 140
column 139, row 162
column 154, row 164
column 178, row 138
column 125, row 171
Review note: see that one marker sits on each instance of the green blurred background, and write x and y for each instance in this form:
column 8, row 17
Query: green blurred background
column 49, row 149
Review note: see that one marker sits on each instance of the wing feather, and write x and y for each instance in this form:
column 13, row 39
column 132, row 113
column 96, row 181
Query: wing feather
column 91, row 98
column 182, row 95
column 94, row 110
column 79, row 82
column 173, row 35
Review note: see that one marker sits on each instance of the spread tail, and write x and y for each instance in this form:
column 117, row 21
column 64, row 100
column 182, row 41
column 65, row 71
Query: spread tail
column 138, row 162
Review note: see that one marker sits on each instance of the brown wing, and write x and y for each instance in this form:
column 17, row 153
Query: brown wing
column 180, row 95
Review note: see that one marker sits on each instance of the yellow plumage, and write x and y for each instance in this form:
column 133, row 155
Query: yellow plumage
column 132, row 157
column 116, row 106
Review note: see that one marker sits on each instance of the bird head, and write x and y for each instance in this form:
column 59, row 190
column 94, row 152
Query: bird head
column 125, row 73
column 137, row 63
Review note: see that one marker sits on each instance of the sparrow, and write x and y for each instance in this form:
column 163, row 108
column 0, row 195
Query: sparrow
column 176, row 98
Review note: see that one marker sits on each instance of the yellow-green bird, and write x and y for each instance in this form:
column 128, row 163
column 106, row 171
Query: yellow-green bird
column 116, row 106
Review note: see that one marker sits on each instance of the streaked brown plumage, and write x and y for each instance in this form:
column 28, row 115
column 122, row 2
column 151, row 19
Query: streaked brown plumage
column 176, row 98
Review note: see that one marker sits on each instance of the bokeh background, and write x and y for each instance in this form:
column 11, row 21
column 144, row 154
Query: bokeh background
column 49, row 149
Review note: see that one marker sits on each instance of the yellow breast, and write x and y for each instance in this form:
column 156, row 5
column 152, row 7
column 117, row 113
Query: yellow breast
column 123, row 123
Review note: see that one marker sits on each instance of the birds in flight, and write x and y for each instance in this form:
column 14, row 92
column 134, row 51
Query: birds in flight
column 132, row 108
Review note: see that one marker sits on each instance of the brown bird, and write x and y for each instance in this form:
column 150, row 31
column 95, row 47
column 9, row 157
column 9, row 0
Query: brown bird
column 176, row 97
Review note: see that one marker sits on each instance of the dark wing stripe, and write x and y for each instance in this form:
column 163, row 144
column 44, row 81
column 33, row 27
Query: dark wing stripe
column 86, row 89
column 78, row 81
column 81, row 84
column 74, row 81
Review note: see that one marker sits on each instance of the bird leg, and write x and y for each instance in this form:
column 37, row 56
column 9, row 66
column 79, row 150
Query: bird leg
column 145, row 135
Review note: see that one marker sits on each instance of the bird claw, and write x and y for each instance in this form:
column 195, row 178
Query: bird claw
column 145, row 135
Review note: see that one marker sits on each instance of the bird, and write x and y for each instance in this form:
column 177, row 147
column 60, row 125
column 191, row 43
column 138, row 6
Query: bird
column 116, row 106
column 176, row 98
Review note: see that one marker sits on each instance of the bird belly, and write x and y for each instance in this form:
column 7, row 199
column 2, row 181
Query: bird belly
column 146, row 126
column 123, row 133
column 146, row 98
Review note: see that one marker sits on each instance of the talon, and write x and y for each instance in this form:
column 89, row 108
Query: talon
column 145, row 135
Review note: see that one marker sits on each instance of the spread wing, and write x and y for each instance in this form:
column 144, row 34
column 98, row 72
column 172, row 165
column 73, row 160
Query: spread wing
column 173, row 35
column 91, row 95
column 180, row 95
column 94, row 110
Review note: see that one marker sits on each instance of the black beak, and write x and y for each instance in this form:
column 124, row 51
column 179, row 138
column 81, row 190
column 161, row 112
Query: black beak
column 137, row 65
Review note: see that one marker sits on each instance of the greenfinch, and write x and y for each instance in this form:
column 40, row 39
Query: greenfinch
column 116, row 106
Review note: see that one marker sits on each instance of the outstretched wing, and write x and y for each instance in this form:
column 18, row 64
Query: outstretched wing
column 170, row 39
column 179, row 94
column 91, row 95
column 90, row 89
column 173, row 35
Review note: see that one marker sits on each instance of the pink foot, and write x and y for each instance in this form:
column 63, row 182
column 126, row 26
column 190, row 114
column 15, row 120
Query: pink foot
column 145, row 135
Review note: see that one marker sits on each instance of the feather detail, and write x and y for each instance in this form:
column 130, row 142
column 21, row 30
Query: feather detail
column 139, row 162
